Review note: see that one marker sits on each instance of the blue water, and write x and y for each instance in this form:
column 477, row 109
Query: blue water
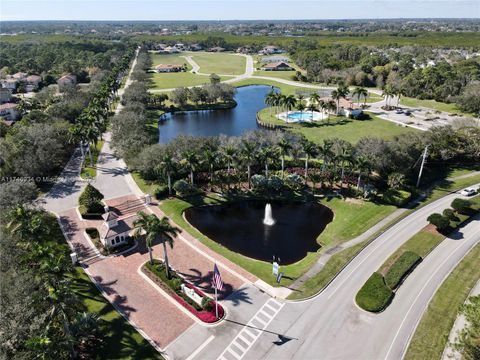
column 300, row 116
column 232, row 122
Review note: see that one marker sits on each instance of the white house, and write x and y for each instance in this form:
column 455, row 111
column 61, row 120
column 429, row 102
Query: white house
column 163, row 68
column 115, row 231
column 271, row 49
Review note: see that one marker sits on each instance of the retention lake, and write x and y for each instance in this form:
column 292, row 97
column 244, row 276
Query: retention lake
column 232, row 122
column 239, row 227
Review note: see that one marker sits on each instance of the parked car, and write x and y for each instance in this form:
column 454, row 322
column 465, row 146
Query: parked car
column 407, row 112
column 399, row 111
column 468, row 192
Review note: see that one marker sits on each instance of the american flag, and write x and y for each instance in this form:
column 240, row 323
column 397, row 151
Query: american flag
column 217, row 282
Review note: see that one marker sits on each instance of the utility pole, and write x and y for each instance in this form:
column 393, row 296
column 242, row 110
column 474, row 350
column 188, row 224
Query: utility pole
column 424, row 157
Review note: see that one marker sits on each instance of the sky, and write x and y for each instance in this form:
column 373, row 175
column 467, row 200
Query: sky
column 234, row 9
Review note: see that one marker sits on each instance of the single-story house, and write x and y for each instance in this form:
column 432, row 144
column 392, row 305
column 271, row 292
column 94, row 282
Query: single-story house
column 9, row 111
column 278, row 66
column 274, row 58
column 170, row 50
column 5, row 95
column 67, row 80
column 115, row 231
column 271, row 49
column 216, row 49
column 195, row 47
column 33, row 82
column 164, row 68
column 244, row 50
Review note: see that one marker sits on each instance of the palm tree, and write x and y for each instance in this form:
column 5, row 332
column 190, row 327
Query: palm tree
column 209, row 158
column 267, row 154
column 388, row 92
column 362, row 164
column 315, row 98
column 325, row 151
column 284, row 146
column 278, row 100
column 300, row 106
column 248, row 155
column 191, row 159
column 270, row 100
column 156, row 229
column 340, row 93
column 310, row 150
column 312, row 107
column 167, row 166
column 228, row 153
column 360, row 92
column 289, row 102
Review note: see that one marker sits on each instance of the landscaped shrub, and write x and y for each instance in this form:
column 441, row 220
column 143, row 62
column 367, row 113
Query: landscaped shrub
column 258, row 181
column 275, row 183
column 462, row 206
column 404, row 264
column 207, row 304
column 450, row 215
column 396, row 197
column 294, row 181
column 184, row 188
column 161, row 192
column 374, row 295
column 90, row 202
column 441, row 222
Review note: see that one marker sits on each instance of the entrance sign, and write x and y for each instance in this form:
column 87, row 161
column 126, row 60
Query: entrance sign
column 275, row 268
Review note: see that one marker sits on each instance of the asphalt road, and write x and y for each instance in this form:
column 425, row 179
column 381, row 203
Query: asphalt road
column 332, row 326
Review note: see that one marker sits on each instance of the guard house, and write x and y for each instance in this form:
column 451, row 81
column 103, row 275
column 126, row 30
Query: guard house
column 115, row 231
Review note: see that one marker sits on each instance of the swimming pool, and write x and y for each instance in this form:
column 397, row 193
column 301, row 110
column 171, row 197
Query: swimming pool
column 300, row 116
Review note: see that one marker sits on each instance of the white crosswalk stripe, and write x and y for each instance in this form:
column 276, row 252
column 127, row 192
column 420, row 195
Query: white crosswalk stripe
column 252, row 331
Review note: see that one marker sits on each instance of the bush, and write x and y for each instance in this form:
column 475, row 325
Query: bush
column 258, row 181
column 450, row 215
column 441, row 222
column 275, row 183
column 461, row 206
column 294, row 181
column 396, row 197
column 404, row 264
column 207, row 304
column 374, row 295
column 95, row 214
column 90, row 200
column 184, row 188
column 161, row 192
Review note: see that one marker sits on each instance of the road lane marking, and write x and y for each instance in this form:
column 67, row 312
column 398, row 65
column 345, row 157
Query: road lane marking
column 249, row 335
column 201, row 347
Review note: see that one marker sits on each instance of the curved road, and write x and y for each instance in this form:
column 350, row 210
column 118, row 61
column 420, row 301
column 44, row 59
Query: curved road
column 332, row 326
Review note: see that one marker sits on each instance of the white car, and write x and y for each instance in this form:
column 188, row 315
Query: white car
column 468, row 192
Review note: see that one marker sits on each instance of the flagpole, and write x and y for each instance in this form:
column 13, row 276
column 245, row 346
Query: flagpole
column 216, row 303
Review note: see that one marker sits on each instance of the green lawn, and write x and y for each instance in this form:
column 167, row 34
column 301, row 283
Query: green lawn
column 431, row 104
column 421, row 243
column 174, row 80
column 341, row 127
column 87, row 170
column 121, row 340
column 219, row 63
column 431, row 335
column 350, row 220
column 175, row 59
column 276, row 74
column 285, row 89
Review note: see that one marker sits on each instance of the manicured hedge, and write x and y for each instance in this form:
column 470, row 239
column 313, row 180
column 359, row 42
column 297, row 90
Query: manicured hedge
column 374, row 295
column 404, row 264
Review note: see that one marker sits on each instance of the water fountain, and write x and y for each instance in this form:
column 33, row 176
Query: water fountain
column 268, row 218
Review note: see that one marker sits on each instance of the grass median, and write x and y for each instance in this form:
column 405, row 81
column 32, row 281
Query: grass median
column 87, row 170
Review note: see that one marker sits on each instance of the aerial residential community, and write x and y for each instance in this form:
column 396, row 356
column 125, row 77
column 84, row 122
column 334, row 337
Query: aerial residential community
column 240, row 180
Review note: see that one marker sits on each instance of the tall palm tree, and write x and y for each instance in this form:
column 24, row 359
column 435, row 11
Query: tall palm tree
column 300, row 106
column 310, row 150
column 167, row 166
column 340, row 93
column 284, row 145
column 156, row 229
column 248, row 155
column 229, row 153
column 267, row 154
column 278, row 100
column 289, row 102
column 388, row 93
column 270, row 100
column 360, row 92
column 325, row 151
column 362, row 165
column 191, row 159
column 315, row 98
column 209, row 158
column 312, row 107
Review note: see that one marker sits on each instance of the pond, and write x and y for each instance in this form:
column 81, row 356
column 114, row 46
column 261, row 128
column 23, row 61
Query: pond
column 239, row 227
column 232, row 122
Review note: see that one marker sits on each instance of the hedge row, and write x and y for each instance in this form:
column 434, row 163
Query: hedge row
column 402, row 267
column 374, row 295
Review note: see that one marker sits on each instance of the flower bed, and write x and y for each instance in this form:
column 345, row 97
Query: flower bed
column 172, row 286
